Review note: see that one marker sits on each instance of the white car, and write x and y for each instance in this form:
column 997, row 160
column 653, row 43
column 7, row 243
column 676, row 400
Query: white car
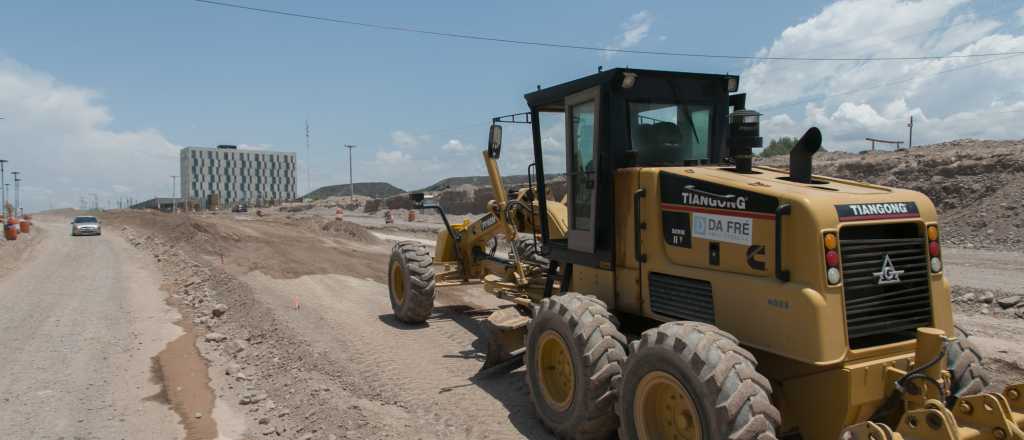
column 85, row 225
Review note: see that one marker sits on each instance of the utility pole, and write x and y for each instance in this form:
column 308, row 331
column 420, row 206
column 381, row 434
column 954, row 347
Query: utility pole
column 17, row 192
column 3, row 186
column 910, row 142
column 174, row 203
column 95, row 201
column 351, row 187
column 309, row 160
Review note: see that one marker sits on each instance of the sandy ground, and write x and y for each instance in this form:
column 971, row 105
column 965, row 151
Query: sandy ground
column 308, row 347
column 984, row 269
column 81, row 320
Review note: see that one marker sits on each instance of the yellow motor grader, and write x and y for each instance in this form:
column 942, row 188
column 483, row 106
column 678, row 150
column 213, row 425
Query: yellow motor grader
column 682, row 293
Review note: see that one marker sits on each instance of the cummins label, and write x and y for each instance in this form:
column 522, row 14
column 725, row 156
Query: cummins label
column 877, row 211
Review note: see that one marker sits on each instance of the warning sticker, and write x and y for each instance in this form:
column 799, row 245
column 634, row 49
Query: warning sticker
column 724, row 228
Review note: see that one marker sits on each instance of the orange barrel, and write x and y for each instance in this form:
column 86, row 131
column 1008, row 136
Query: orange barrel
column 412, row 216
column 11, row 229
column 25, row 226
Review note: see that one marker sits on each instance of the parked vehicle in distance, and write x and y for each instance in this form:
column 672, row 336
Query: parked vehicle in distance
column 240, row 208
column 85, row 225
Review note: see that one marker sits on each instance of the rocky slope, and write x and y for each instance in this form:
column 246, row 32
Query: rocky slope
column 977, row 185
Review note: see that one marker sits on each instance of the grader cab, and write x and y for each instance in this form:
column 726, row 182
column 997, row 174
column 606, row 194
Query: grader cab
column 683, row 293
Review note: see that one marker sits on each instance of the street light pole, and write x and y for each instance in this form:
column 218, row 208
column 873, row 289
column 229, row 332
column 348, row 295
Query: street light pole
column 174, row 203
column 351, row 186
column 17, row 192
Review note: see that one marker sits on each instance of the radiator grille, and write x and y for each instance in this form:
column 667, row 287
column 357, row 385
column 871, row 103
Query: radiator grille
column 682, row 298
column 889, row 312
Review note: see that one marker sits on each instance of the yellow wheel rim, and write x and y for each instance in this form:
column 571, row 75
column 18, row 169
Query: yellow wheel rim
column 397, row 283
column 554, row 367
column 663, row 409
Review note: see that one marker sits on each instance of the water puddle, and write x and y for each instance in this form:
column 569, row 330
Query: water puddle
column 185, row 384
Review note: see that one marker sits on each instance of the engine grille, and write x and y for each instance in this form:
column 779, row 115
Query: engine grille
column 682, row 298
column 888, row 312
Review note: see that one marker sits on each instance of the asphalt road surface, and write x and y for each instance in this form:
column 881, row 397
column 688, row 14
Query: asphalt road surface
column 80, row 319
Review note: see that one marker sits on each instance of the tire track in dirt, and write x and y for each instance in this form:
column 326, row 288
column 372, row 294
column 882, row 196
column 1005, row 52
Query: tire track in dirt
column 427, row 370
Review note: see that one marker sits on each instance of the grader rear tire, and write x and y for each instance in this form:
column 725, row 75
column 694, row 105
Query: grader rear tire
column 689, row 380
column 411, row 282
column 573, row 354
column 964, row 363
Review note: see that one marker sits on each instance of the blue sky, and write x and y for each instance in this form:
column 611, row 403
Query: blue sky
column 179, row 73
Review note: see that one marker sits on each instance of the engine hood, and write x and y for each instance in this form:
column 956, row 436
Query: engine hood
column 759, row 193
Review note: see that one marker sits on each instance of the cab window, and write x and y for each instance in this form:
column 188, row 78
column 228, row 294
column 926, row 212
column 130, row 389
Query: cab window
column 669, row 134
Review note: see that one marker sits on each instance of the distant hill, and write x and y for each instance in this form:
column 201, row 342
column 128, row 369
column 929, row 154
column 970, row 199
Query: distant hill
column 377, row 190
column 453, row 182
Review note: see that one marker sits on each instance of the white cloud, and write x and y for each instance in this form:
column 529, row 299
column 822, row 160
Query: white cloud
column 404, row 139
column 58, row 136
column 392, row 157
column 634, row 30
column 456, row 146
column 853, row 100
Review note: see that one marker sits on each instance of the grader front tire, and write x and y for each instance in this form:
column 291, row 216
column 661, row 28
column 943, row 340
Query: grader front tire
column 573, row 354
column 529, row 250
column 411, row 282
column 964, row 363
column 692, row 381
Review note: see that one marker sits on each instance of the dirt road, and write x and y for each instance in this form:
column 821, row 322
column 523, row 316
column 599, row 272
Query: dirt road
column 81, row 319
column 985, row 269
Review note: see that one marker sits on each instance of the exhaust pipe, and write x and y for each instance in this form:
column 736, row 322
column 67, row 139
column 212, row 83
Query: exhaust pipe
column 800, row 155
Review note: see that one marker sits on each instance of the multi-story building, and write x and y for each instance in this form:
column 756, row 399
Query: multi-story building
column 226, row 176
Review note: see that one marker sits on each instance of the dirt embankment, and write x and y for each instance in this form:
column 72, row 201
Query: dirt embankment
column 462, row 199
column 268, row 245
column 976, row 185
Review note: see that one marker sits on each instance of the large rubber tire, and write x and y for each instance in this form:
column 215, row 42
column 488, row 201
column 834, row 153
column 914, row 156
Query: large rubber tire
column 529, row 250
column 596, row 350
column 732, row 400
column 411, row 282
column 964, row 363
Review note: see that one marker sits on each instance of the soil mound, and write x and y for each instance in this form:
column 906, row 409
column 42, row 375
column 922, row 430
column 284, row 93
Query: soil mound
column 350, row 231
column 976, row 185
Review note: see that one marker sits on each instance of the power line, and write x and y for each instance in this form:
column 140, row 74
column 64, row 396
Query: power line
column 582, row 47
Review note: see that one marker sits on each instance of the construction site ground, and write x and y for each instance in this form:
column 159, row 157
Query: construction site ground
column 291, row 317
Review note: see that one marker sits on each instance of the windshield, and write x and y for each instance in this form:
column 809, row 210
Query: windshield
column 85, row 219
column 669, row 134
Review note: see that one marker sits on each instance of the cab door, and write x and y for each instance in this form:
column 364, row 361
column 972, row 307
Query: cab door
column 581, row 126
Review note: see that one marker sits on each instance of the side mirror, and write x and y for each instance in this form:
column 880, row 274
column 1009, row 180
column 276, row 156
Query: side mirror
column 494, row 142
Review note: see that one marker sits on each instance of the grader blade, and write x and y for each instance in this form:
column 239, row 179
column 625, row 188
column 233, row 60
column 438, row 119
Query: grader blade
column 505, row 334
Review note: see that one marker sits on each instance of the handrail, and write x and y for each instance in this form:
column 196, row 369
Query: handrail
column 638, row 225
column 782, row 210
